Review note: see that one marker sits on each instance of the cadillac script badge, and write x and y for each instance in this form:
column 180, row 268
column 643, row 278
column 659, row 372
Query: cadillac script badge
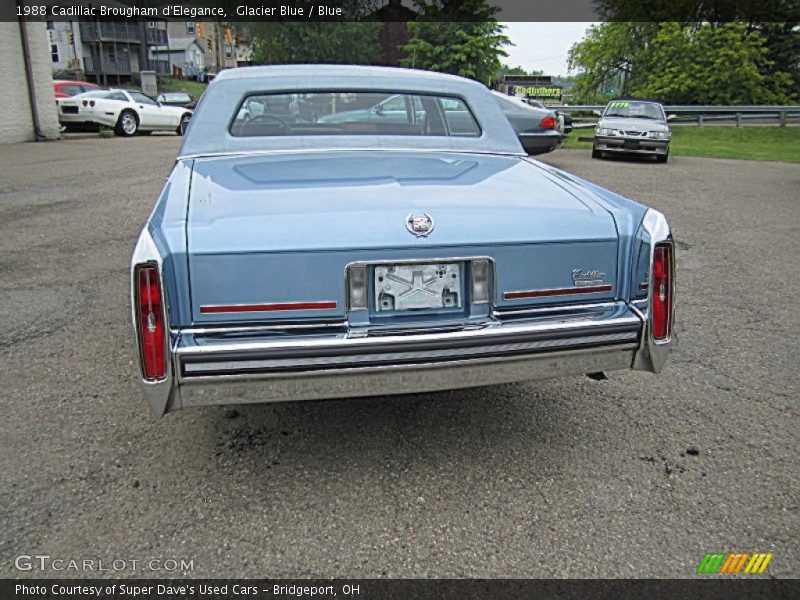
column 581, row 277
column 419, row 225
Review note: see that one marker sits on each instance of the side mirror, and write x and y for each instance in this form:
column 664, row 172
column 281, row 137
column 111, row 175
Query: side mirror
column 670, row 117
column 597, row 112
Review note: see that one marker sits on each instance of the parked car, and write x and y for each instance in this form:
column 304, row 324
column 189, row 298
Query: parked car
column 536, row 128
column 290, row 261
column 632, row 127
column 385, row 108
column 181, row 99
column 127, row 111
column 65, row 88
column 564, row 118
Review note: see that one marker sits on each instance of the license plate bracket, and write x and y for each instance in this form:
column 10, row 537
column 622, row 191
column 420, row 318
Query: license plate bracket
column 418, row 286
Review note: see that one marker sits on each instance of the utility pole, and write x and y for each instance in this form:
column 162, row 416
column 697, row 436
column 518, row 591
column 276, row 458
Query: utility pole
column 217, row 55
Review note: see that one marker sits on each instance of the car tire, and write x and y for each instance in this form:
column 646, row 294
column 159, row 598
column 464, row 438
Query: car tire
column 127, row 124
column 596, row 153
column 184, row 123
column 662, row 159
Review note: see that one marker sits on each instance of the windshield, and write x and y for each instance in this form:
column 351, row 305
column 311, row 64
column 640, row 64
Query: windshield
column 176, row 97
column 635, row 110
column 353, row 113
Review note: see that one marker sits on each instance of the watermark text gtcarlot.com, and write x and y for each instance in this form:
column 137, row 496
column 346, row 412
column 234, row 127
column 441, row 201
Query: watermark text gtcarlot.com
column 45, row 562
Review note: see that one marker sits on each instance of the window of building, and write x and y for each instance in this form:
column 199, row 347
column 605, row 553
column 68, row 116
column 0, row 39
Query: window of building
column 228, row 51
column 54, row 53
column 190, row 27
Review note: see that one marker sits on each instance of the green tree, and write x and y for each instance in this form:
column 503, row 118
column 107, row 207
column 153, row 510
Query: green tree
column 612, row 58
column 783, row 43
column 723, row 64
column 776, row 21
column 518, row 70
column 338, row 42
column 458, row 37
column 297, row 40
column 506, row 70
column 680, row 63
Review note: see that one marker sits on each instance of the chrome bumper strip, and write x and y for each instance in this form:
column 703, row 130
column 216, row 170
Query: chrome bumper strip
column 398, row 379
column 231, row 367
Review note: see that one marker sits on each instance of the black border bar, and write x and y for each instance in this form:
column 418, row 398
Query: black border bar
column 450, row 10
column 701, row 587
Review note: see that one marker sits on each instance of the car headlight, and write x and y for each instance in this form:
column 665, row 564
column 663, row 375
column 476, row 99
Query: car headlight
column 660, row 135
column 605, row 131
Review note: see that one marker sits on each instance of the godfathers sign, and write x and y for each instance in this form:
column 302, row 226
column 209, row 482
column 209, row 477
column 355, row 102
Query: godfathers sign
column 541, row 91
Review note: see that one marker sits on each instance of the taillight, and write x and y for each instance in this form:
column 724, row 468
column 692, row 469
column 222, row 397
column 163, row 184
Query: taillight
column 662, row 291
column 548, row 123
column 150, row 323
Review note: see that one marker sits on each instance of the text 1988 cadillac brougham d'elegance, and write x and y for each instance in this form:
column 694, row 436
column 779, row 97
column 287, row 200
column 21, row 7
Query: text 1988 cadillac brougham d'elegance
column 293, row 257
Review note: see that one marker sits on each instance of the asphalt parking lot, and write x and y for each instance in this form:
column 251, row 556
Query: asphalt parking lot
column 561, row 478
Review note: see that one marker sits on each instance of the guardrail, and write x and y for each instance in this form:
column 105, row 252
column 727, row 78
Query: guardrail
column 702, row 113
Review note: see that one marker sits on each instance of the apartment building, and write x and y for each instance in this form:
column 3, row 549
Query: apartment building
column 106, row 52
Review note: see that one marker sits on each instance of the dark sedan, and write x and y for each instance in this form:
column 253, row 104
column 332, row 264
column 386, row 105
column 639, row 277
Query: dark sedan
column 564, row 117
column 181, row 99
column 536, row 128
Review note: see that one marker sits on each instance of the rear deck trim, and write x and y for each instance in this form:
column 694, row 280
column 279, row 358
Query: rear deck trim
column 268, row 307
column 567, row 291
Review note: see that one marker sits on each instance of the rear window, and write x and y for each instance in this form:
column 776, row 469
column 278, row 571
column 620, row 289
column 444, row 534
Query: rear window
column 353, row 113
column 71, row 89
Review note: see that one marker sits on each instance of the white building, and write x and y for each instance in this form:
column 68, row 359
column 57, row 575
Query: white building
column 27, row 99
column 64, row 39
column 185, row 55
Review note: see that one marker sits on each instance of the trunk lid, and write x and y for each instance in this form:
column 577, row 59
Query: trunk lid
column 282, row 228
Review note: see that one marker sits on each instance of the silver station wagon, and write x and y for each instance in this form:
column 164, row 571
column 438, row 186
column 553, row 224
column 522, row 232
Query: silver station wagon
column 297, row 252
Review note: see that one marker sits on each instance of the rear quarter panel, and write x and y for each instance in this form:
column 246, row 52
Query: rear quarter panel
column 167, row 226
column 628, row 215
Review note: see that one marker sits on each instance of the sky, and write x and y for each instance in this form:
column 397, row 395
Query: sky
column 542, row 46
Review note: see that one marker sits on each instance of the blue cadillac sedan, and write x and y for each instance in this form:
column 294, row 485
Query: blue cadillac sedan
column 296, row 253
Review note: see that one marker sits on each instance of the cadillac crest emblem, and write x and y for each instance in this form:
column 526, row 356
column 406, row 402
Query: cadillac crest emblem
column 419, row 225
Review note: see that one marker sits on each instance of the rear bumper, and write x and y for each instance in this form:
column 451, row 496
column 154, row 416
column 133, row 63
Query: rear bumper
column 644, row 145
column 226, row 366
column 545, row 140
column 88, row 117
column 72, row 118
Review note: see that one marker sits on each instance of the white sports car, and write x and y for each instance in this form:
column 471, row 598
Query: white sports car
column 128, row 112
